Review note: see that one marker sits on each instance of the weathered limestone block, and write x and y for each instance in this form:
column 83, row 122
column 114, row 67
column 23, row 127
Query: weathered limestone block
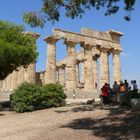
column 71, row 65
column 89, row 82
column 104, row 67
column 116, row 65
column 51, row 60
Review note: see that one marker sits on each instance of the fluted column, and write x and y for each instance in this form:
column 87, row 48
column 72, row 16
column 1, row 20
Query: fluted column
column 57, row 74
column 62, row 75
column 77, row 73
column 95, row 72
column 116, row 65
column 104, row 67
column 0, row 85
column 30, row 72
column 88, row 68
column 3, row 85
column 71, row 65
column 14, row 79
column 83, row 72
column 6, row 83
column 51, row 60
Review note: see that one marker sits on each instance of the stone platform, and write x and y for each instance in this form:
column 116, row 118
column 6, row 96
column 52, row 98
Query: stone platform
column 81, row 94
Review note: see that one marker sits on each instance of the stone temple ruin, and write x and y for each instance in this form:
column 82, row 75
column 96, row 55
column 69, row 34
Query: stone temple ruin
column 94, row 45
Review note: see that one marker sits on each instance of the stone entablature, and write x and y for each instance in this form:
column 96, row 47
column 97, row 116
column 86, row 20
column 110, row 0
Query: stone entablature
column 95, row 46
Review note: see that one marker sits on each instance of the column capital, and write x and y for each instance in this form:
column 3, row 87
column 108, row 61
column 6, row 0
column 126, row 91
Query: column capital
column 78, row 61
column 62, row 66
column 51, row 39
column 105, row 49
column 86, row 45
column 70, row 43
column 117, row 51
column 95, row 57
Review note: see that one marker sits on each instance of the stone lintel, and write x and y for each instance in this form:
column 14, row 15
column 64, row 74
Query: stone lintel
column 64, row 34
column 51, row 39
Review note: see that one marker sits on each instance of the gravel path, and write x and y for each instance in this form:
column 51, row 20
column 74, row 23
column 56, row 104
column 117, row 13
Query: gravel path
column 83, row 122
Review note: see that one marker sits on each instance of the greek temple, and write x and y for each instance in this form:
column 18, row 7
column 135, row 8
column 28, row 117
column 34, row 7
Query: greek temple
column 86, row 69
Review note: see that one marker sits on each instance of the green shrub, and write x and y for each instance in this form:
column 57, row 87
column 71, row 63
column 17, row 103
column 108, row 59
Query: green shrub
column 30, row 97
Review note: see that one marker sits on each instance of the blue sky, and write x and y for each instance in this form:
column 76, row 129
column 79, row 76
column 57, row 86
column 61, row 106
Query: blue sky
column 12, row 10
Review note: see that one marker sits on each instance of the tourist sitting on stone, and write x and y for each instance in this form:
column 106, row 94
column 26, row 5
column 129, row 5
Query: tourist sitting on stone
column 122, row 88
column 104, row 94
column 115, row 87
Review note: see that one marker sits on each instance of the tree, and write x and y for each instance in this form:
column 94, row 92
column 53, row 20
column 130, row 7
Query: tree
column 16, row 48
column 51, row 9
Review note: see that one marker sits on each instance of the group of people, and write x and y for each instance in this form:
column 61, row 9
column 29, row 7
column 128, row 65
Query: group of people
column 123, row 87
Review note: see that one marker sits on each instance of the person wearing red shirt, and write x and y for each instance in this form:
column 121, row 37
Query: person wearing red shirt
column 104, row 90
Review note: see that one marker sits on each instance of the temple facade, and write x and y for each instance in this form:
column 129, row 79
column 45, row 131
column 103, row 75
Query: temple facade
column 79, row 70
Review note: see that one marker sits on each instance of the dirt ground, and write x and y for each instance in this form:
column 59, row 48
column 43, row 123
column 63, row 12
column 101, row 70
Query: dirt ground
column 79, row 122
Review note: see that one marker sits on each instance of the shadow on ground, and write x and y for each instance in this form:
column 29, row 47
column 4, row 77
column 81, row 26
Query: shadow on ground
column 120, row 124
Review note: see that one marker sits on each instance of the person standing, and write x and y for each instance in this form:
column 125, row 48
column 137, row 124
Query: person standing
column 104, row 90
column 115, row 87
column 126, row 85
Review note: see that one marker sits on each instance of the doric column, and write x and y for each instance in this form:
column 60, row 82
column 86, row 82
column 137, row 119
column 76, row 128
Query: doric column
column 31, row 70
column 83, row 72
column 116, row 65
column 51, row 60
column 30, row 73
column 0, row 85
column 62, row 75
column 57, row 74
column 88, row 68
column 14, row 79
column 77, row 73
column 8, row 83
column 95, row 72
column 42, row 77
column 3, row 85
column 104, row 67
column 71, row 65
